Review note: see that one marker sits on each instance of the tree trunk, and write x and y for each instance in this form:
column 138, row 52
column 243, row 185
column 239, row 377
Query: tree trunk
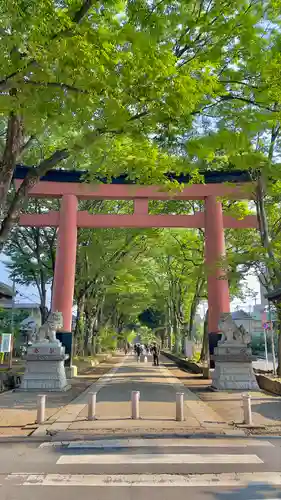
column 169, row 326
column 44, row 313
column 20, row 197
column 79, row 327
column 273, row 271
column 177, row 334
column 279, row 341
column 194, row 305
column 94, row 343
column 262, row 217
column 43, row 293
column 13, row 145
column 95, row 330
column 89, row 323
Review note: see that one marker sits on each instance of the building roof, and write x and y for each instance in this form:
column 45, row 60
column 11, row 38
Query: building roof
column 274, row 295
column 6, row 291
column 20, row 305
column 240, row 315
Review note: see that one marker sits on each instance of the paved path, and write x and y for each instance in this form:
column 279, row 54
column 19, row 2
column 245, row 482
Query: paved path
column 158, row 388
column 126, row 469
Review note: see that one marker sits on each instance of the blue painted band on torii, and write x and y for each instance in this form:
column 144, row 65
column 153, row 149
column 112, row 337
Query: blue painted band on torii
column 210, row 177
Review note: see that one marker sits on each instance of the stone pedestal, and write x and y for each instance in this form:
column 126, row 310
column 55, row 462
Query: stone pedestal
column 233, row 367
column 45, row 368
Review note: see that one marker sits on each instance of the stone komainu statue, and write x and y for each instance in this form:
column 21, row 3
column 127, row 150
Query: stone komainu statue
column 231, row 332
column 47, row 332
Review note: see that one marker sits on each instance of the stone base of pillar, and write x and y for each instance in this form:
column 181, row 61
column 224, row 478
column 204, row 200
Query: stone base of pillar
column 44, row 369
column 71, row 371
column 233, row 368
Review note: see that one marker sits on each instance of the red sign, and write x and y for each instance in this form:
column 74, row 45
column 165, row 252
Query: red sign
column 264, row 317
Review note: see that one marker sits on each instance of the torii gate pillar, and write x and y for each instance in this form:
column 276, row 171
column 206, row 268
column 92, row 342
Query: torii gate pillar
column 217, row 283
column 64, row 278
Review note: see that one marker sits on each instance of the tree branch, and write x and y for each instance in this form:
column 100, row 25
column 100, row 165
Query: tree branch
column 21, row 195
column 81, row 13
column 230, row 97
column 62, row 86
column 246, row 84
column 26, row 145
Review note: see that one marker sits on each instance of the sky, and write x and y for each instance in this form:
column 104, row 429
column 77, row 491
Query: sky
column 30, row 294
column 24, row 294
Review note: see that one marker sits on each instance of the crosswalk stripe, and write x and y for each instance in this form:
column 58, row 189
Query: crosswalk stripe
column 164, row 443
column 160, row 480
column 115, row 459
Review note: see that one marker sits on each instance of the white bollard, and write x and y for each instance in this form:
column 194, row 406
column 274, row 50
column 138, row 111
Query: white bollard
column 41, row 404
column 247, row 409
column 92, row 406
column 180, row 406
column 145, row 359
column 135, row 405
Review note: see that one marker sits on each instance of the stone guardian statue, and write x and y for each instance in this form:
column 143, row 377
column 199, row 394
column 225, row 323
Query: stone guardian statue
column 233, row 358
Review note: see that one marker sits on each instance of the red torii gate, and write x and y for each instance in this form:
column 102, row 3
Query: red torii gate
column 68, row 219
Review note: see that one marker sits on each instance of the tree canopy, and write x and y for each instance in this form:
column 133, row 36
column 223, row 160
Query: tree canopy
column 117, row 86
column 141, row 87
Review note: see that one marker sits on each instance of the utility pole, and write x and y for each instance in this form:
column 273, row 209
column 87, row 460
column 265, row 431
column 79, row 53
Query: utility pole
column 10, row 362
column 272, row 339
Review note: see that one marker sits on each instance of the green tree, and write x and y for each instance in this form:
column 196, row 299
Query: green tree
column 31, row 254
column 245, row 133
column 102, row 254
column 109, row 86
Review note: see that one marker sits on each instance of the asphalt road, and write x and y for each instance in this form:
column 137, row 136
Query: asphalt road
column 137, row 469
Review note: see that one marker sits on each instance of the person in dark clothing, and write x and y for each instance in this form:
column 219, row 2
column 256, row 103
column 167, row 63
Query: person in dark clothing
column 138, row 351
column 155, row 352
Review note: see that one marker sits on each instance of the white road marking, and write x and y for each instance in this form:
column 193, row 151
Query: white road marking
column 115, row 458
column 160, row 480
column 163, row 443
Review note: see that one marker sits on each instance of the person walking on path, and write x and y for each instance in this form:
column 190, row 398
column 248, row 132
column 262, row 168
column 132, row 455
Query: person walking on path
column 138, row 352
column 155, row 352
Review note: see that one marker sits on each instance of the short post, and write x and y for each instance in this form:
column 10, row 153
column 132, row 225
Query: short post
column 145, row 359
column 247, row 409
column 180, row 407
column 41, row 403
column 92, row 406
column 135, row 405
